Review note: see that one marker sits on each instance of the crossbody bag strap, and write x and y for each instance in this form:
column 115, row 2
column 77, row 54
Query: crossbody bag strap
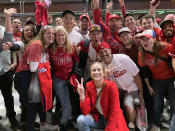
column 101, row 90
column 160, row 57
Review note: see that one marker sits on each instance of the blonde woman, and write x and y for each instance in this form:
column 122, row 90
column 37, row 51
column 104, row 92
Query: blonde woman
column 62, row 59
column 34, row 54
column 100, row 103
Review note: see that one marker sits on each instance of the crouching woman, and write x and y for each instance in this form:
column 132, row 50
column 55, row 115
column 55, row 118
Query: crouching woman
column 100, row 103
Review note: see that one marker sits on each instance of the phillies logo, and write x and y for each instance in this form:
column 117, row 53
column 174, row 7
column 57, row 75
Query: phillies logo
column 42, row 70
column 119, row 73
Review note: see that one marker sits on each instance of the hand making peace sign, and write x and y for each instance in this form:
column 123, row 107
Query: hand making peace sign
column 80, row 89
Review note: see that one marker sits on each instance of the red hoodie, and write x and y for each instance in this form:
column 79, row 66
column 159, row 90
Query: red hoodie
column 111, row 38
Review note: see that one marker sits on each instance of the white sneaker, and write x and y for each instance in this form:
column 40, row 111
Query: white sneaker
column 49, row 127
column 155, row 128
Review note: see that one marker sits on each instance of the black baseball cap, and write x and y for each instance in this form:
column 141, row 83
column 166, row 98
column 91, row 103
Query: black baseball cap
column 68, row 12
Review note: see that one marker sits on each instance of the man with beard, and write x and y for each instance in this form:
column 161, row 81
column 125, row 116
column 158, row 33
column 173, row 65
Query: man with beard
column 168, row 35
column 130, row 45
column 84, row 26
column 124, row 72
column 110, row 32
column 16, row 26
column 168, row 31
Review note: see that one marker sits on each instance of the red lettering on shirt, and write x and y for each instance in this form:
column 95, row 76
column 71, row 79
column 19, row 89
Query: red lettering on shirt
column 119, row 73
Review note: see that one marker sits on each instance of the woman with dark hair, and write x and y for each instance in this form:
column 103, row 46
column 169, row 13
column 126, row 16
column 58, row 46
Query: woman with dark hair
column 100, row 103
column 154, row 55
column 34, row 55
column 28, row 33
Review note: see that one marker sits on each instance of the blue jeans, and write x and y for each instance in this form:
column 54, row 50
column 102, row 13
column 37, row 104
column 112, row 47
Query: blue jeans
column 85, row 123
column 62, row 92
column 172, row 128
column 161, row 88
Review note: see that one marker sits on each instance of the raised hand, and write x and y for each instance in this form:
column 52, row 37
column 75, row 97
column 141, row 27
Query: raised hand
column 96, row 3
column 121, row 2
column 10, row 11
column 80, row 89
column 109, row 6
column 154, row 3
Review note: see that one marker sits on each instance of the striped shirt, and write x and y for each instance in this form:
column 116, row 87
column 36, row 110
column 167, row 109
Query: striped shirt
column 122, row 71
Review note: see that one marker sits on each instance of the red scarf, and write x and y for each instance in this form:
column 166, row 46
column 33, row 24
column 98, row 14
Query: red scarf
column 44, row 75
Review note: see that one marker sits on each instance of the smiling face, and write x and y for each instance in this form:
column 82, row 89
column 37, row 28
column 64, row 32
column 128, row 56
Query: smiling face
column 130, row 21
column 114, row 24
column 168, row 30
column 126, row 38
column 49, row 36
column 147, row 43
column 97, row 72
column 105, row 55
column 60, row 37
column 68, row 21
column 84, row 24
column 147, row 23
column 28, row 33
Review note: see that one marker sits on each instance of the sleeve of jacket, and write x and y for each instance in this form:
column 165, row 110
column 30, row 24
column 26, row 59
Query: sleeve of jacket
column 15, row 47
column 123, row 9
column 85, row 106
column 38, row 12
column 115, row 120
column 106, row 17
column 98, row 20
column 97, row 16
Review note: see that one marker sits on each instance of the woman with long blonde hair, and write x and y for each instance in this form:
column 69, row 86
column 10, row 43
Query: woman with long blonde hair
column 34, row 55
column 62, row 59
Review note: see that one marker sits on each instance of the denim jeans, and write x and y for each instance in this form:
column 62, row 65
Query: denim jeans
column 172, row 128
column 61, row 90
column 161, row 87
column 85, row 123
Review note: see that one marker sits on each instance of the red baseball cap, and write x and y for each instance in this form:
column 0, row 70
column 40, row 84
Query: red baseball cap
column 113, row 16
column 85, row 16
column 103, row 45
column 148, row 34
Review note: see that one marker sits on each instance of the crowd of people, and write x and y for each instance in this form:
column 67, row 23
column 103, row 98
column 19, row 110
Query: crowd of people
column 97, row 74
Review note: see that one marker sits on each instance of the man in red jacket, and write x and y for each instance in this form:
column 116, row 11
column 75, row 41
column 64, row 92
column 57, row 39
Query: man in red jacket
column 110, row 32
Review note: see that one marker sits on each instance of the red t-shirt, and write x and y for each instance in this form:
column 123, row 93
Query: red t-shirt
column 62, row 63
column 161, row 70
column 32, row 53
